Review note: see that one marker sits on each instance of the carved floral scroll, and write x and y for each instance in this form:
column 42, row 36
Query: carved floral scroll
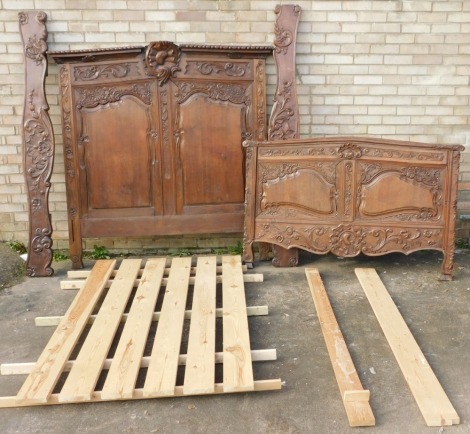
column 38, row 143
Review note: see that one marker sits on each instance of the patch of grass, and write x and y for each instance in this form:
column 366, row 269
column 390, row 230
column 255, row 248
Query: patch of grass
column 17, row 246
column 59, row 256
column 98, row 252
column 236, row 250
column 182, row 253
column 462, row 243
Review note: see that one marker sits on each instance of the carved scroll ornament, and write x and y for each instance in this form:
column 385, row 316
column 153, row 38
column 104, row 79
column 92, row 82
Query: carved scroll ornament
column 284, row 119
column 38, row 142
column 161, row 60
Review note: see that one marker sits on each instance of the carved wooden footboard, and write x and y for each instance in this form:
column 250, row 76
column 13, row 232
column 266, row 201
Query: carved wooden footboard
column 352, row 195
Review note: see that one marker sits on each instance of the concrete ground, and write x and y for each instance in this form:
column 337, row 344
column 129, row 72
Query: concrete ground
column 438, row 314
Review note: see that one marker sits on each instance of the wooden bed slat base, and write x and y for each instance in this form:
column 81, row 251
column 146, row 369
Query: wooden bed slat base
column 112, row 356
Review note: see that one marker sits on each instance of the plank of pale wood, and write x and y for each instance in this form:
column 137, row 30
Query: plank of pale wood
column 82, row 379
column 24, row 368
column 81, row 274
column 77, row 284
column 39, row 384
column 122, row 375
column 238, row 370
column 199, row 376
column 427, row 391
column 163, row 366
column 357, row 408
column 259, row 386
column 47, row 321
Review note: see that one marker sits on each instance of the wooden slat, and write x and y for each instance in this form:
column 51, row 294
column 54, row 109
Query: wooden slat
column 39, row 385
column 238, row 371
column 259, row 386
column 199, row 375
column 427, row 391
column 122, row 375
column 355, row 398
column 47, row 321
column 27, row 367
column 82, row 379
column 82, row 274
column 163, row 366
column 77, row 284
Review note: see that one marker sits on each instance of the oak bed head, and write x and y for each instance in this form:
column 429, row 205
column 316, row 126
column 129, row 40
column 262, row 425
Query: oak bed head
column 351, row 196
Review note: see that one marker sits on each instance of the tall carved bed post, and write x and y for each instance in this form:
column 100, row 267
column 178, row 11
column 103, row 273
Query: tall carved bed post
column 38, row 143
column 284, row 119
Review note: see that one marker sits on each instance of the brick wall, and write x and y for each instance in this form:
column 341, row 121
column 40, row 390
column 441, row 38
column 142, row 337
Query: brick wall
column 394, row 69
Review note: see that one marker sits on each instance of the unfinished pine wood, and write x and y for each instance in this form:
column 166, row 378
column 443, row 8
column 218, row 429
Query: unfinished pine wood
column 160, row 368
column 25, row 368
column 427, row 391
column 163, row 366
column 238, row 372
column 353, row 395
column 82, row 379
column 47, row 321
column 200, row 367
column 259, row 386
column 40, row 383
column 77, row 284
column 122, row 375
column 82, row 274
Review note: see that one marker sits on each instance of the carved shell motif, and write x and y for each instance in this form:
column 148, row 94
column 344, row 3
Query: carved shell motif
column 161, row 60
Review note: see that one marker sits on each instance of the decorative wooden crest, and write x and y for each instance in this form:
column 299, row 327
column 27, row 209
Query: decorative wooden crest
column 38, row 143
column 161, row 60
column 284, row 120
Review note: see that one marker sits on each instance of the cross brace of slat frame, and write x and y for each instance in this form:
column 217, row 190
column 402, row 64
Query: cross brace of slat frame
column 117, row 309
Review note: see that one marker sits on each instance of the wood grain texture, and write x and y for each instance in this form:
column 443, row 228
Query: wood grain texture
column 122, row 375
column 238, row 371
column 355, row 398
column 199, row 375
column 163, row 366
column 40, row 383
column 431, row 398
column 82, row 379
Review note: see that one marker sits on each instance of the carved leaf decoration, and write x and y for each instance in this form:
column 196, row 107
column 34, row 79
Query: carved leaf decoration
column 162, row 59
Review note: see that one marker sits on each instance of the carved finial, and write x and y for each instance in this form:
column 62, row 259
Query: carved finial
column 161, row 60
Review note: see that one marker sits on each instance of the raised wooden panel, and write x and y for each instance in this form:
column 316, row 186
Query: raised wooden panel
column 280, row 195
column 211, row 158
column 411, row 192
column 109, row 153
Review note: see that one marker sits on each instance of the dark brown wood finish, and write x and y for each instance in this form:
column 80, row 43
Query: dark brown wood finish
column 352, row 195
column 284, row 119
column 38, row 143
column 152, row 138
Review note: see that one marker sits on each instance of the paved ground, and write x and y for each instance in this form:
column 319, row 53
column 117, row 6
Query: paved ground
column 438, row 313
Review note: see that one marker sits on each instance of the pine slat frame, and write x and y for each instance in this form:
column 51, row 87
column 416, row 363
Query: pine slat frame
column 81, row 381
column 122, row 375
column 40, row 383
column 125, row 280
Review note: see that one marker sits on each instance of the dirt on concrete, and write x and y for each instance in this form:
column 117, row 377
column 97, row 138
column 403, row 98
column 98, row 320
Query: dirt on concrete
column 437, row 313
column 12, row 267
